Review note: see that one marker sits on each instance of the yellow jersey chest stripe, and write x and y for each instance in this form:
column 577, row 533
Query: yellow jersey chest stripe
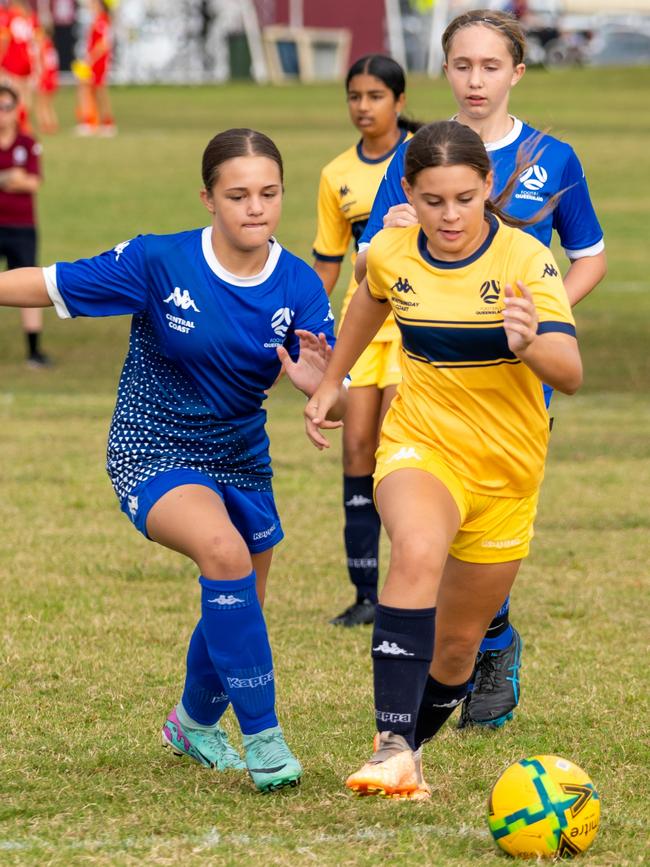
column 449, row 344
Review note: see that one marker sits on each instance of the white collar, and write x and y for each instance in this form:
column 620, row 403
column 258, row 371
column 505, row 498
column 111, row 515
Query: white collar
column 255, row 279
column 507, row 139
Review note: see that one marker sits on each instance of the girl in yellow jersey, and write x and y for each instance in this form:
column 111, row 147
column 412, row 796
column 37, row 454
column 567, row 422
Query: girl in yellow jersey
column 375, row 87
column 484, row 317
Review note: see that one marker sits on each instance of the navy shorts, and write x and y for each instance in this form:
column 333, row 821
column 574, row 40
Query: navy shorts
column 252, row 512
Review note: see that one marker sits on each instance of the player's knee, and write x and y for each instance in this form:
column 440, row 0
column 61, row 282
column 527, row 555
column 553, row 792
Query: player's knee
column 224, row 557
column 416, row 554
column 358, row 455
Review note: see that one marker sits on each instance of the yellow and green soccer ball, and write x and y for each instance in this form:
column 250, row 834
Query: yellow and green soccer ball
column 544, row 806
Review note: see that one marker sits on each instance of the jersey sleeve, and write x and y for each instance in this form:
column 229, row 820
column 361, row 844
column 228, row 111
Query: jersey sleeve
column 543, row 279
column 390, row 193
column 313, row 311
column 333, row 231
column 377, row 286
column 111, row 284
column 574, row 218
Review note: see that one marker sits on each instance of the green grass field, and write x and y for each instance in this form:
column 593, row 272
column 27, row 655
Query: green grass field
column 95, row 620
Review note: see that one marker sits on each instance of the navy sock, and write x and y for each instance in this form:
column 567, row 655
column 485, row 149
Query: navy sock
column 362, row 527
column 438, row 703
column 402, row 647
column 499, row 632
column 238, row 644
column 204, row 697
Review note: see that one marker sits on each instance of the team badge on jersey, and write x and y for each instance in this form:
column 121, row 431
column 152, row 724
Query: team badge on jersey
column 344, row 191
column 490, row 291
column 534, row 177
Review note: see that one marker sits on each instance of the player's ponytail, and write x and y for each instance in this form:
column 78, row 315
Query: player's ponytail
column 391, row 74
column 449, row 143
column 233, row 143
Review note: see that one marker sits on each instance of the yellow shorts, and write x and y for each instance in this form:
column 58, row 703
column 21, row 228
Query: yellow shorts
column 492, row 529
column 378, row 365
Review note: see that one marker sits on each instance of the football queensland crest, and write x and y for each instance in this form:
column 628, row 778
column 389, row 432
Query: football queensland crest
column 534, row 177
column 281, row 320
column 544, row 806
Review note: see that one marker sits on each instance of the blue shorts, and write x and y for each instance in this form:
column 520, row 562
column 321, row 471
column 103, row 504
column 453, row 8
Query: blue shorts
column 252, row 512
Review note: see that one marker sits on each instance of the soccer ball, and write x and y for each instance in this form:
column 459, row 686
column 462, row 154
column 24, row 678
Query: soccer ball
column 544, row 806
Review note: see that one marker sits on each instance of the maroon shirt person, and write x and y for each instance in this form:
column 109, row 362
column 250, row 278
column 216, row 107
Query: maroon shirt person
column 20, row 178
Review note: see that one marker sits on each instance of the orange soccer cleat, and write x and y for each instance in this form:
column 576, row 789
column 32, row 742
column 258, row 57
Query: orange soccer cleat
column 394, row 771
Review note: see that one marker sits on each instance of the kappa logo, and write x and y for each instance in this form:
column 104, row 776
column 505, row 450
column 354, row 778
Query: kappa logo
column 330, row 314
column 181, row 298
column 250, row 682
column 534, row 177
column 391, row 648
column 132, row 503
column 404, row 454
column 389, row 716
column 357, row 501
column 281, row 320
column 549, row 270
column 119, row 249
column 344, row 191
column 489, row 291
column 222, row 599
column 403, row 286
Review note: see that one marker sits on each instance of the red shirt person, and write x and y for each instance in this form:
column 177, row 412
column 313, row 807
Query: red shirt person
column 20, row 178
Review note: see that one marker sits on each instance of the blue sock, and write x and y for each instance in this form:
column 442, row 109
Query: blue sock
column 438, row 703
column 499, row 633
column 238, row 644
column 402, row 647
column 362, row 527
column 204, row 697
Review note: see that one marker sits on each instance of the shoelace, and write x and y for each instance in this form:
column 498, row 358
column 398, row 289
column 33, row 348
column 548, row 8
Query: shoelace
column 272, row 749
column 487, row 671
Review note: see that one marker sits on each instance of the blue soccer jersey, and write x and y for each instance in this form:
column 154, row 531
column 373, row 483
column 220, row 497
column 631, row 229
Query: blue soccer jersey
column 202, row 351
column 556, row 168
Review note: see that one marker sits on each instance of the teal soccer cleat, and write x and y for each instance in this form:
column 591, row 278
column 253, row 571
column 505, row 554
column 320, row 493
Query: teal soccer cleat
column 209, row 748
column 270, row 762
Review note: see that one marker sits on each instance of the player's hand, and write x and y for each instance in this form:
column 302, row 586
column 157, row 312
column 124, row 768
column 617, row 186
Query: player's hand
column 400, row 216
column 306, row 373
column 519, row 318
column 316, row 412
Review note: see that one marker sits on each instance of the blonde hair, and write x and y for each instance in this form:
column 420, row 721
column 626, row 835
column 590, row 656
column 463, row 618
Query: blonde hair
column 506, row 25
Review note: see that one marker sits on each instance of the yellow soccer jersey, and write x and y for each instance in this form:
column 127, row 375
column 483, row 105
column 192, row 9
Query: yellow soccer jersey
column 347, row 190
column 464, row 393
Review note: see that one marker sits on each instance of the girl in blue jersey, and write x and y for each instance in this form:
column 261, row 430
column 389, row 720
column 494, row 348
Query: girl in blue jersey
column 217, row 313
column 375, row 88
column 484, row 53
column 484, row 318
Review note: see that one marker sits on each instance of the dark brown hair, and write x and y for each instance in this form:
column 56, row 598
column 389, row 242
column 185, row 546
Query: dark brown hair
column 449, row 143
column 390, row 73
column 506, row 25
column 233, row 143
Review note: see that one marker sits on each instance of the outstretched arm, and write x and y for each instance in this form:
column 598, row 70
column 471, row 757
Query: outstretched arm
column 307, row 372
column 24, row 287
column 362, row 321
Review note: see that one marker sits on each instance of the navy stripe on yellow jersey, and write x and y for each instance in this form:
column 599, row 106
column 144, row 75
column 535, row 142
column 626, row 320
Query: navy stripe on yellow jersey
column 444, row 344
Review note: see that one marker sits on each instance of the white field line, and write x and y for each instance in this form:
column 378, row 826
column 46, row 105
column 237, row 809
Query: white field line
column 214, row 839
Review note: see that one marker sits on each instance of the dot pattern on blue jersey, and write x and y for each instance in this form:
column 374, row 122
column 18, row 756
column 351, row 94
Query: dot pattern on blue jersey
column 161, row 422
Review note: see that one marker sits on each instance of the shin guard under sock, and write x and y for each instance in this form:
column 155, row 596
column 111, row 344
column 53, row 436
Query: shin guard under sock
column 362, row 527
column 402, row 647
column 238, row 644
